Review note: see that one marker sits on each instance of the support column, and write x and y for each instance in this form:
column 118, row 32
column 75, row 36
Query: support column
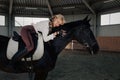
column 94, row 16
column 10, row 18
column 49, row 7
column 95, row 25
column 88, row 6
column 10, row 25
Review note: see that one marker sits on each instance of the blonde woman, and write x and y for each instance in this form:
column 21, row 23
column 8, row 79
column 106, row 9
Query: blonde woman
column 43, row 27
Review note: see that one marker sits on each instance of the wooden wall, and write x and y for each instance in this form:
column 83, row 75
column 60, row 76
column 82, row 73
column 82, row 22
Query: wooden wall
column 105, row 43
column 109, row 43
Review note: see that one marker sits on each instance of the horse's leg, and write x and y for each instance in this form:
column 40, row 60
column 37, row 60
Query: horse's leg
column 42, row 75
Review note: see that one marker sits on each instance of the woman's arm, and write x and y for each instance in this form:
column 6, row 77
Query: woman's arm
column 47, row 37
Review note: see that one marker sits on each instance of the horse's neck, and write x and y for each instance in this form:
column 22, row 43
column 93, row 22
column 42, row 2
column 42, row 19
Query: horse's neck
column 60, row 43
column 67, row 26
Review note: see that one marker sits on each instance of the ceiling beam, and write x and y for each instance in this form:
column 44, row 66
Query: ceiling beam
column 2, row 5
column 49, row 7
column 97, row 1
column 10, row 7
column 46, row 7
column 109, row 10
column 89, row 7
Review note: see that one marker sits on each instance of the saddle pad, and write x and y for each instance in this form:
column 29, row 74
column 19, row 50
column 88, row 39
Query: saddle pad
column 12, row 48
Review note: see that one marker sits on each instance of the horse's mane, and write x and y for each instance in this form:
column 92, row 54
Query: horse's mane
column 72, row 25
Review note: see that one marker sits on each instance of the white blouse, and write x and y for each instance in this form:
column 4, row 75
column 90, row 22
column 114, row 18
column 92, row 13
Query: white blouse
column 43, row 26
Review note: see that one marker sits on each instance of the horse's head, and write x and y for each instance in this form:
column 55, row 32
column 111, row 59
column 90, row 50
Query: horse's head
column 79, row 30
column 84, row 35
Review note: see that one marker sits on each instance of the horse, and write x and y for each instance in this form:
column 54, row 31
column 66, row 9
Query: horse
column 78, row 30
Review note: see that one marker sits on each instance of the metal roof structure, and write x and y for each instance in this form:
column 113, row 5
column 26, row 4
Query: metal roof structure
column 50, row 7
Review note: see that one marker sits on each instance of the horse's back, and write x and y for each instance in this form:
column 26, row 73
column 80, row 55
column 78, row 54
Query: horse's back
column 3, row 42
column 4, row 38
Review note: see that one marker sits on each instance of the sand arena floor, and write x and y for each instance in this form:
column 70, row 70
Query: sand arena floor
column 79, row 65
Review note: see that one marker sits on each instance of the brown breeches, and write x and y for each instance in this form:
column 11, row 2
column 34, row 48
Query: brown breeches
column 26, row 32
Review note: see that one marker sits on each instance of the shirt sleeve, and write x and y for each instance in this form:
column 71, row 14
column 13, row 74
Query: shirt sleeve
column 47, row 37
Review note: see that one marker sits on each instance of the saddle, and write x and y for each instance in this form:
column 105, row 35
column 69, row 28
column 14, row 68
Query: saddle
column 17, row 37
column 17, row 44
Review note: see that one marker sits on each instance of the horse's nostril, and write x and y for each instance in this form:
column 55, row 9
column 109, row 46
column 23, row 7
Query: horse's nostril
column 90, row 50
column 93, row 50
column 86, row 45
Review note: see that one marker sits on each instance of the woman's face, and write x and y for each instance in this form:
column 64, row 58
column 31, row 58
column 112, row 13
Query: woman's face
column 57, row 22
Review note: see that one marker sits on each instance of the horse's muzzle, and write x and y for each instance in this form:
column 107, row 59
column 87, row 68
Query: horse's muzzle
column 93, row 49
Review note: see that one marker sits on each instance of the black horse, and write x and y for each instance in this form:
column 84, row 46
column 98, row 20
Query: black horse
column 78, row 30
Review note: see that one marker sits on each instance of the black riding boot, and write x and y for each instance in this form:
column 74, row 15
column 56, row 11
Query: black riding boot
column 19, row 55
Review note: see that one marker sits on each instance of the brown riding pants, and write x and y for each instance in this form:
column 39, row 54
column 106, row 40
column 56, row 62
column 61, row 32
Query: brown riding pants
column 26, row 32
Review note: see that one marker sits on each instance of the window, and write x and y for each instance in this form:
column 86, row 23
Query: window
column 110, row 19
column 105, row 19
column 115, row 18
column 2, row 20
column 21, row 21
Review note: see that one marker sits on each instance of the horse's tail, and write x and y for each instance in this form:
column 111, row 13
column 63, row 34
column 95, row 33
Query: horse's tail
column 3, row 41
column 4, row 38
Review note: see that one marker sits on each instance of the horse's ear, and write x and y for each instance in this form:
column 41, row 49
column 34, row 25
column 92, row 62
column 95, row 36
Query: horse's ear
column 89, row 20
column 86, row 18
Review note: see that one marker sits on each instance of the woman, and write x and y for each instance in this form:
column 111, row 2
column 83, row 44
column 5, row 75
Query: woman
column 43, row 27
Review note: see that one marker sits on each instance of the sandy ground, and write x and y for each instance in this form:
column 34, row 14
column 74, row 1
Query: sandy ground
column 79, row 65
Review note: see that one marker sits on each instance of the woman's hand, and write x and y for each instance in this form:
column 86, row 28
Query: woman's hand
column 63, row 32
column 56, row 33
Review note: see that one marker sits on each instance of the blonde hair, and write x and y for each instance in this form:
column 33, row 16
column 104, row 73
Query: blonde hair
column 59, row 16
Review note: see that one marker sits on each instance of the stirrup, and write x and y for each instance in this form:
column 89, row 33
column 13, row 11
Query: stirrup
column 19, row 55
